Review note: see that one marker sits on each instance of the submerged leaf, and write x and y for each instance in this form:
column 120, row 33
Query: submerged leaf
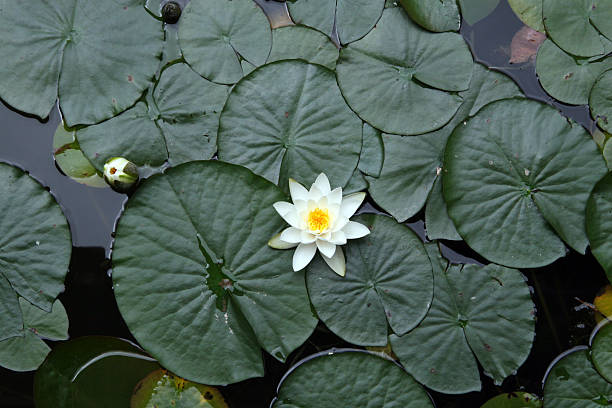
column 348, row 378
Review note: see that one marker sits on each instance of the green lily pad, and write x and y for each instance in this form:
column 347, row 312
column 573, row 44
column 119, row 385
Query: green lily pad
column 388, row 281
column 28, row 351
column 299, row 42
column 483, row 313
column 71, row 160
column 98, row 66
column 514, row 400
column 222, row 293
column 93, row 372
column 530, row 13
column 288, row 119
column 356, row 183
column 565, row 77
column 599, row 222
column 577, row 25
column 349, row 378
column 600, row 101
column 509, row 194
column 607, row 154
column 438, row 16
column 372, row 153
column 473, row 11
column 409, row 171
column 35, row 242
column 179, row 124
column 437, row 222
column 572, row 382
column 601, row 351
column 215, row 35
column 412, row 164
column 11, row 322
column 351, row 19
column 404, row 87
column 162, row 389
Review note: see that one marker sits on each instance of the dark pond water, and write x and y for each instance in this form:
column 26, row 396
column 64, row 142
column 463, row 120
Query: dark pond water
column 562, row 319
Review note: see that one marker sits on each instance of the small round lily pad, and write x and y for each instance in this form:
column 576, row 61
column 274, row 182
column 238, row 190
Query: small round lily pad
column 388, row 282
column 288, row 119
column 406, row 87
column 215, row 35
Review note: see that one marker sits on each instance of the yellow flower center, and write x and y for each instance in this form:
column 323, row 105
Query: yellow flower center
column 318, row 220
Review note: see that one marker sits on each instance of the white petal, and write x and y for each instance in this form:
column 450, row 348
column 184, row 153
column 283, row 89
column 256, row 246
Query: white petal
column 277, row 243
column 354, row 230
column 322, row 183
column 350, row 204
column 338, row 238
column 340, row 223
column 288, row 212
column 297, row 191
column 307, row 237
column 303, row 255
column 300, row 206
column 314, row 194
column 326, row 248
column 292, row 235
column 335, row 196
column 337, row 262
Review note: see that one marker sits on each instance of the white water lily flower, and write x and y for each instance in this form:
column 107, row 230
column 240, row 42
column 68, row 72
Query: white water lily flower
column 319, row 218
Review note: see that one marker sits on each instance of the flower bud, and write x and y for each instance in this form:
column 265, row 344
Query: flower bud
column 121, row 174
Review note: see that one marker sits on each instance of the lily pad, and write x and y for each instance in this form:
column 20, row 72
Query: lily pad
column 600, row 101
column 28, row 351
column 372, row 153
column 404, row 87
column 388, row 281
column 530, row 13
column 351, row 19
column 437, row 16
column 35, row 242
column 577, row 25
column 483, row 313
column 215, row 35
column 572, row 382
column 601, row 351
column 11, row 322
column 565, row 77
column 178, row 123
column 69, row 53
column 514, row 400
column 437, row 222
column 413, row 164
column 162, row 389
column 348, row 378
column 299, row 42
column 288, row 119
column 71, row 160
column 473, row 11
column 408, row 174
column 509, row 194
column 93, row 372
column 191, row 257
column 599, row 223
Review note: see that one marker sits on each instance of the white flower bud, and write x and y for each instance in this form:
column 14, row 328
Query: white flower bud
column 120, row 174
